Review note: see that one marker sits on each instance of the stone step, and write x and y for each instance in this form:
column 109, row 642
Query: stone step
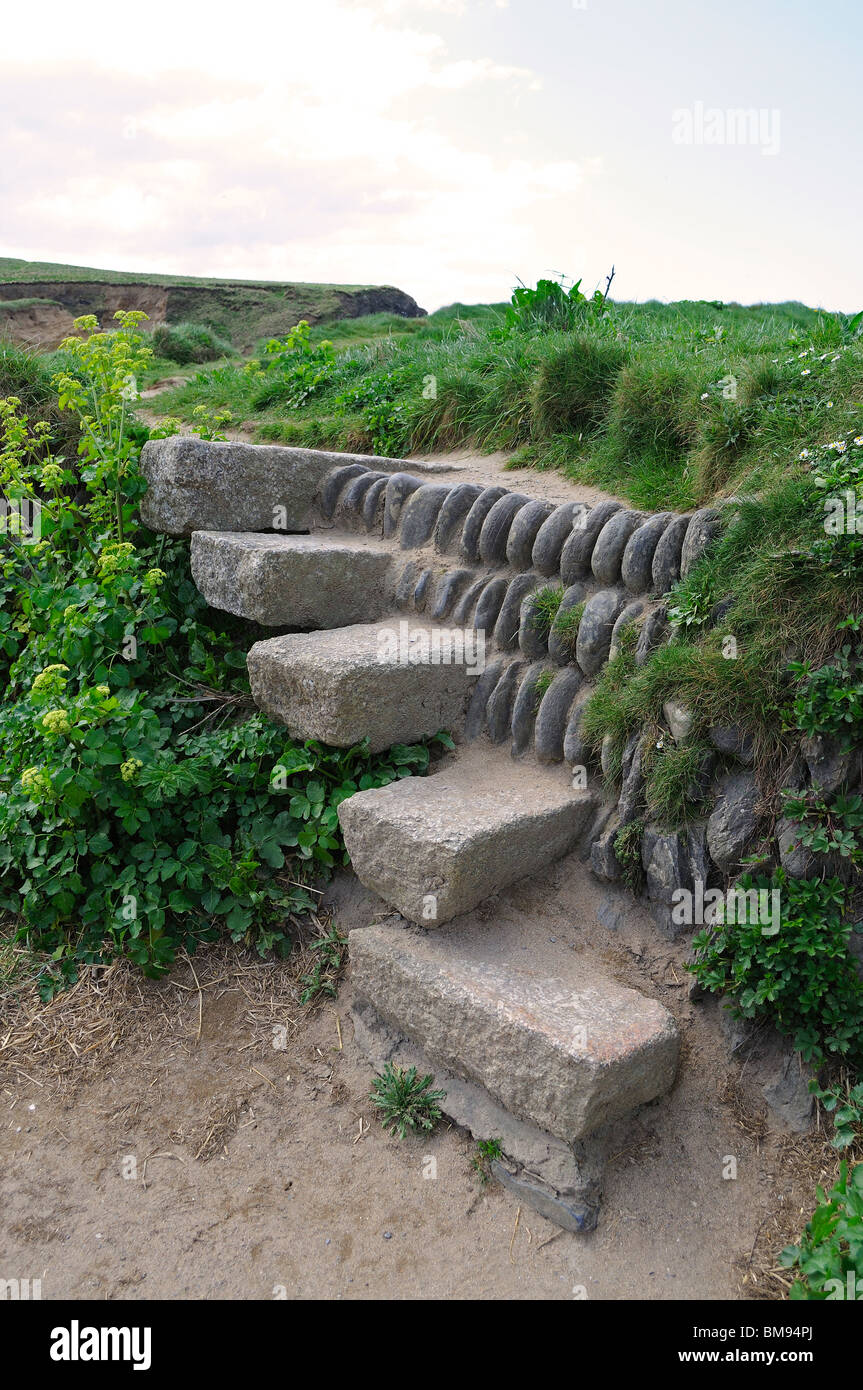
column 538, row 1025
column 315, row 581
column 433, row 847
column 391, row 682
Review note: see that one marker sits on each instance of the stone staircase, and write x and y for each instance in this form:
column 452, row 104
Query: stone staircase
column 406, row 604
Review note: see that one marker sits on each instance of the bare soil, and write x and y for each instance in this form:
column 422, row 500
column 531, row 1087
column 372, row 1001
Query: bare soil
column 181, row 1154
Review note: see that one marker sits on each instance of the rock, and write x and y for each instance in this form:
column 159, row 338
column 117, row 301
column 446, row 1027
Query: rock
column 420, row 514
column 532, row 638
column 204, row 485
column 605, row 754
column 631, row 613
column 453, row 514
column 291, row 581
column 733, row 741
column 665, row 569
column 829, row 766
column 509, row 619
column 335, row 483
column 788, row 1095
column 341, row 687
column 553, row 534
column 488, row 608
column 453, row 839
column 523, row 532
column 449, row 589
column 796, row 860
column 396, row 493
column 563, row 652
column 632, row 787
column 496, row 527
column 604, row 862
column 611, row 543
column 578, row 549
column 475, row 520
column 482, row 691
column 352, row 500
column 636, row 566
column 406, row 583
column 570, row 1213
column 551, row 721
column 704, row 527
column 595, row 629
column 464, row 609
column 524, row 711
column 654, row 631
column 421, row 590
column 575, row 750
column 673, row 860
column 566, row 1054
column 501, row 701
column 733, row 821
column 611, row 912
column 374, row 503
column 679, row 720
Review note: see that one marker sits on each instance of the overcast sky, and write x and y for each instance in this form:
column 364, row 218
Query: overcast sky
column 445, row 146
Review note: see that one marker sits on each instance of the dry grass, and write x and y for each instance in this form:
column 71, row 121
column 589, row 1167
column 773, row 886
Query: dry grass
column 58, row 1043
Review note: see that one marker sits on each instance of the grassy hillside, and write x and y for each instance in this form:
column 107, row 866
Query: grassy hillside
column 13, row 270
column 239, row 311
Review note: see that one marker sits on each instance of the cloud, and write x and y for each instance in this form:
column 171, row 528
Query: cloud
column 326, row 150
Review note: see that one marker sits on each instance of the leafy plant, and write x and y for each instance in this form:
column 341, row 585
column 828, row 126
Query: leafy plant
column 829, row 700
column 405, row 1100
column 846, row 1106
column 293, row 369
column 488, row 1151
column 322, row 980
column 827, row 826
column 829, row 1257
column 802, row 976
column 142, row 807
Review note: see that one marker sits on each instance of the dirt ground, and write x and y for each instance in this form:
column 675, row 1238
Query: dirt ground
column 186, row 1154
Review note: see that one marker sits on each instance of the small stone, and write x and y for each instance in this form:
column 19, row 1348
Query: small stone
column 679, row 720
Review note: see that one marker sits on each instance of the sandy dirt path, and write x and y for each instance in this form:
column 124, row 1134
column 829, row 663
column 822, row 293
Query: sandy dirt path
column 193, row 1159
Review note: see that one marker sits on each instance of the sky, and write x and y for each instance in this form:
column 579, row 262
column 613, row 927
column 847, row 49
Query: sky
column 450, row 147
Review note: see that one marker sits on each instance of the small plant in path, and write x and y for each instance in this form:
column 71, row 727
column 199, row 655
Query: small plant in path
column 487, row 1151
column 845, row 1103
column 829, row 1258
column 405, row 1101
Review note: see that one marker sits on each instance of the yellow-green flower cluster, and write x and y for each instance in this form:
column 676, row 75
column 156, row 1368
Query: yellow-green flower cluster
column 36, row 783
column 56, row 721
column 51, row 475
column 153, row 578
column 129, row 769
column 50, row 680
column 115, row 558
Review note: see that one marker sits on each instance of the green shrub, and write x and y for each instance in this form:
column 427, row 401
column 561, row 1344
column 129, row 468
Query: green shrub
column 189, row 342
column 802, row 976
column 573, row 384
column 293, row 369
column 829, row 1257
column 141, row 807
